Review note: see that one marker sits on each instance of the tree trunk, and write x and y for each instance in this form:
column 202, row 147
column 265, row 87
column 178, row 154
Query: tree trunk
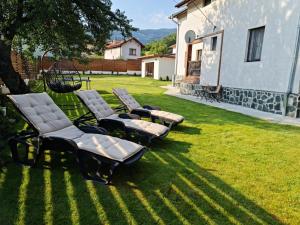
column 9, row 76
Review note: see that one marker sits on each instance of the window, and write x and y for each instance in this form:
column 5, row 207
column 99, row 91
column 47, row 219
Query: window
column 199, row 55
column 132, row 51
column 255, row 44
column 207, row 2
column 214, row 42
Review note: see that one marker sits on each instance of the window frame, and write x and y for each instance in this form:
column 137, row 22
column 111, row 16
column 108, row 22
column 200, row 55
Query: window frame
column 214, row 43
column 132, row 51
column 249, row 44
column 199, row 53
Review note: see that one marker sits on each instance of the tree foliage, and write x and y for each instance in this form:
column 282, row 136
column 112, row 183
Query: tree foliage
column 71, row 25
column 161, row 46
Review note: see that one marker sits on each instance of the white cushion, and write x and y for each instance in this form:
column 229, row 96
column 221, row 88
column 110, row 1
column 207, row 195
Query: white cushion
column 96, row 104
column 103, row 145
column 41, row 111
column 126, row 98
column 51, row 121
column 151, row 128
column 132, row 104
column 167, row 116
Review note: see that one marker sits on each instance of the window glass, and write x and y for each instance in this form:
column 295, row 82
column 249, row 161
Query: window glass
column 255, row 44
column 132, row 51
column 214, row 42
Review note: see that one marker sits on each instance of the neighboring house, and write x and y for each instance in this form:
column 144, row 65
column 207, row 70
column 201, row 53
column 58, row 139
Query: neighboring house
column 249, row 47
column 123, row 49
column 160, row 67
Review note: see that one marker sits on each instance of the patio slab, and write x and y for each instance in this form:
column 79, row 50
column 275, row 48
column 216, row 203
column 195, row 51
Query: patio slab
column 274, row 118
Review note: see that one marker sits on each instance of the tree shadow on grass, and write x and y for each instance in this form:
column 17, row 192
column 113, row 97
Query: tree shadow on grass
column 165, row 186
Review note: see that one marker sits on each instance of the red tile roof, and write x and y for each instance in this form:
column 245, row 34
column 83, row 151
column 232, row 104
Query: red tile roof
column 117, row 44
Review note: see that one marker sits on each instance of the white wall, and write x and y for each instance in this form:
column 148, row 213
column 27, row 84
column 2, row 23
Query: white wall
column 114, row 53
column 195, row 48
column 236, row 17
column 163, row 67
column 166, row 68
column 125, row 50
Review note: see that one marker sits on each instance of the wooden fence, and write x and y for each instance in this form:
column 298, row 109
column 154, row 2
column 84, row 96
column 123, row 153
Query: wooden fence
column 98, row 65
column 30, row 70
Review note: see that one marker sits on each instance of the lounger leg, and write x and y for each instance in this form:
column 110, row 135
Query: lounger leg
column 111, row 171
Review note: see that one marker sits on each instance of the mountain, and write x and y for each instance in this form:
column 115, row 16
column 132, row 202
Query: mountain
column 147, row 35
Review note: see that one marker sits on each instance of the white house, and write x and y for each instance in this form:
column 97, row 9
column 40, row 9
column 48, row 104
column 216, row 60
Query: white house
column 160, row 67
column 123, row 49
column 249, row 47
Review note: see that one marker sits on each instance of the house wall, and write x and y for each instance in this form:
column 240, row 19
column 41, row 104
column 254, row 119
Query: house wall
column 163, row 67
column 195, row 48
column 114, row 53
column 125, row 50
column 166, row 68
column 236, row 17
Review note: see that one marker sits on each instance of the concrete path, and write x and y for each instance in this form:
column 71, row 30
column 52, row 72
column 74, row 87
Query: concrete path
column 172, row 91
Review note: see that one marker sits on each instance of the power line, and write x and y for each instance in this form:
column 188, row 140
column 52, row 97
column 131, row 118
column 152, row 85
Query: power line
column 204, row 15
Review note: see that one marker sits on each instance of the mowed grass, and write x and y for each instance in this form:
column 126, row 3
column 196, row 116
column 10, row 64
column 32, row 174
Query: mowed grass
column 217, row 167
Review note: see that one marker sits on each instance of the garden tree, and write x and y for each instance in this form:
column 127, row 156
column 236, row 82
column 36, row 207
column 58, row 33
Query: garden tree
column 160, row 46
column 70, row 25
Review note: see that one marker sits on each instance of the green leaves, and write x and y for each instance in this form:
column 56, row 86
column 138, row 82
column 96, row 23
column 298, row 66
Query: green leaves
column 160, row 46
column 66, row 24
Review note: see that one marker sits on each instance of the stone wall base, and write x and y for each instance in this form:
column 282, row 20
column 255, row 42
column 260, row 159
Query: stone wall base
column 267, row 101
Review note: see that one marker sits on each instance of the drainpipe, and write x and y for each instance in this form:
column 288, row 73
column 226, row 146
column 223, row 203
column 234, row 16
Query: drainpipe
column 293, row 69
column 176, row 57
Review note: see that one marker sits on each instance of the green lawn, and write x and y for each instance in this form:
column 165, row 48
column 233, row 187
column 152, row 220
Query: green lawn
column 217, row 167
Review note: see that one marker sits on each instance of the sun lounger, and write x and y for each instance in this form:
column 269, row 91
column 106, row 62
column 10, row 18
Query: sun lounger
column 153, row 112
column 108, row 119
column 52, row 130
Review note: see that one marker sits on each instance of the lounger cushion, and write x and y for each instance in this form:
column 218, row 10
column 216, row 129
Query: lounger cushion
column 167, row 116
column 151, row 128
column 132, row 104
column 42, row 112
column 103, row 145
column 126, row 98
column 96, row 104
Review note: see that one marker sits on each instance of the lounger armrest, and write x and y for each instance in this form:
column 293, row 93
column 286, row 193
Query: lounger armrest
column 141, row 112
column 111, row 124
column 93, row 130
column 151, row 107
column 129, row 116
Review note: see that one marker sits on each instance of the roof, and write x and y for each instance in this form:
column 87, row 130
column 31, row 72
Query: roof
column 173, row 46
column 183, row 2
column 171, row 56
column 177, row 14
column 119, row 43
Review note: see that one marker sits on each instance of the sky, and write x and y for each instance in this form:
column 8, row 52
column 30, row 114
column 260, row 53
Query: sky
column 148, row 14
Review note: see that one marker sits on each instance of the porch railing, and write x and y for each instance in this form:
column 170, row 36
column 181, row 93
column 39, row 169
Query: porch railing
column 194, row 68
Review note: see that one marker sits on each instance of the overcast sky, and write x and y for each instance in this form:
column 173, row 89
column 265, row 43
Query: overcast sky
column 148, row 14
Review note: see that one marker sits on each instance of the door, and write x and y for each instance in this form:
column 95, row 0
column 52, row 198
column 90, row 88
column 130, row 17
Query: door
column 150, row 69
column 188, row 58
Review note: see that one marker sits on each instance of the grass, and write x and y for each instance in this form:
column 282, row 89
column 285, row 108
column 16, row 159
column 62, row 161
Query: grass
column 218, row 167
